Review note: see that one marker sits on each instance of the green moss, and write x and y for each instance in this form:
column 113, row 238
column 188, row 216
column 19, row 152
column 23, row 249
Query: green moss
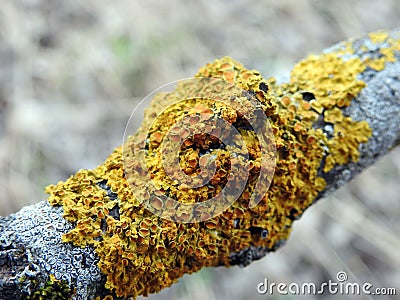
column 52, row 290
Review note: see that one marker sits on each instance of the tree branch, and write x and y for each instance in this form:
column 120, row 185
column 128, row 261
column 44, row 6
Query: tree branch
column 338, row 113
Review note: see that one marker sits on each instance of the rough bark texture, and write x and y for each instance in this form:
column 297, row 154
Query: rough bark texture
column 31, row 248
column 379, row 105
column 30, row 240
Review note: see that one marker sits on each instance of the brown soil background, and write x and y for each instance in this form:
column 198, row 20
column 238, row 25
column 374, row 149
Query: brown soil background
column 71, row 73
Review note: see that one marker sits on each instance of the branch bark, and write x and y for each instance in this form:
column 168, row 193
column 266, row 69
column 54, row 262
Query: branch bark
column 351, row 123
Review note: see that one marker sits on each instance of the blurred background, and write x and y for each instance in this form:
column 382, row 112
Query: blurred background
column 71, row 73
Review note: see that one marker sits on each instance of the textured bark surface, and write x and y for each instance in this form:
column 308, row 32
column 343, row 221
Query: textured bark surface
column 30, row 240
column 379, row 105
column 31, row 249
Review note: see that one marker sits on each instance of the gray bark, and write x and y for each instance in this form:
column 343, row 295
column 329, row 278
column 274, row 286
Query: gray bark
column 379, row 105
column 31, row 248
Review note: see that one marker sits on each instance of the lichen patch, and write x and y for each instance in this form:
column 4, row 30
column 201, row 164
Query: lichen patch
column 141, row 253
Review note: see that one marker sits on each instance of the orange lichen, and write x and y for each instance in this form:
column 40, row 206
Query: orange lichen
column 141, row 253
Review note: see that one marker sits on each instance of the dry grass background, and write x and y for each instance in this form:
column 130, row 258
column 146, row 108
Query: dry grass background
column 71, row 72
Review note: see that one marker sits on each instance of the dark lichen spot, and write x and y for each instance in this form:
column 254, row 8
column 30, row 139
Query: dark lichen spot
column 293, row 214
column 264, row 233
column 263, row 86
column 114, row 212
column 258, row 231
column 107, row 188
column 307, row 96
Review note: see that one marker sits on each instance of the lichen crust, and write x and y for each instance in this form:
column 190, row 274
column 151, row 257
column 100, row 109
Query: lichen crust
column 142, row 253
column 208, row 140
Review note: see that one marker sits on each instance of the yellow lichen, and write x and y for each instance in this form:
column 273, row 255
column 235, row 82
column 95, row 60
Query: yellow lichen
column 378, row 37
column 386, row 52
column 141, row 253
